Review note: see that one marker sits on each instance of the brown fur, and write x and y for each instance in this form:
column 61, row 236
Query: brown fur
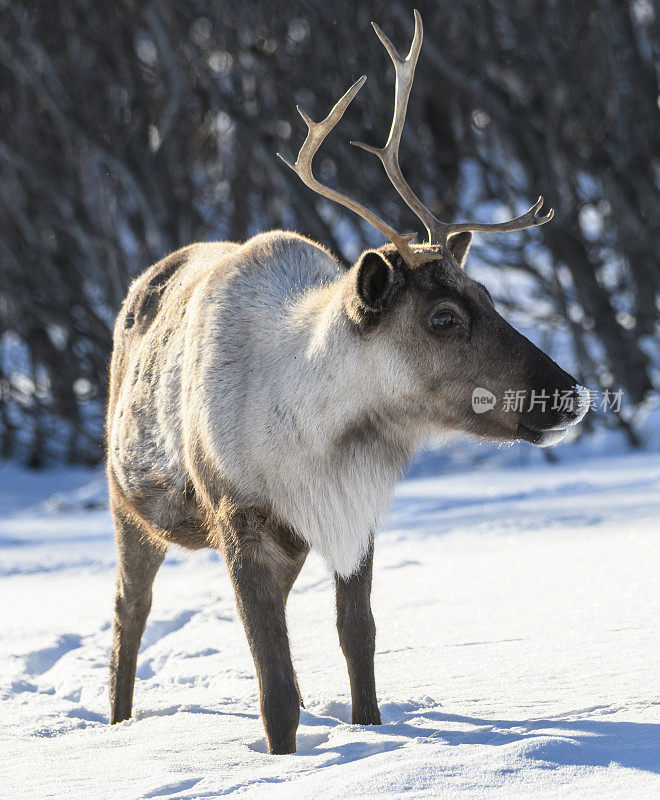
column 193, row 326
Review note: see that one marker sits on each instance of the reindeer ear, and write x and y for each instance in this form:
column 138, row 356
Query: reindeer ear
column 374, row 280
column 459, row 246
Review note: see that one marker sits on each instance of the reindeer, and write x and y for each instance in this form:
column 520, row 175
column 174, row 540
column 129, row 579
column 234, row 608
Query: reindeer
column 264, row 400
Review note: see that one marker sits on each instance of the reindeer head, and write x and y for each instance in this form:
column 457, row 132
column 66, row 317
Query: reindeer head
column 466, row 368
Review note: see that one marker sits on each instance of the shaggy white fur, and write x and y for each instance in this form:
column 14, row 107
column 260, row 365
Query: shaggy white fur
column 275, row 386
column 253, row 368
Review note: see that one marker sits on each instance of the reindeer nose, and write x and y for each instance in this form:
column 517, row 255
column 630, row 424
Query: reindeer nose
column 573, row 404
column 565, row 404
column 580, row 402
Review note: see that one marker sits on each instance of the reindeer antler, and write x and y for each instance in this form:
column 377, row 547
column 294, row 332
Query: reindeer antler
column 389, row 155
column 438, row 232
column 316, row 133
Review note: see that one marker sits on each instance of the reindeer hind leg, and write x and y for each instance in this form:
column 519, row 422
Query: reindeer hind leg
column 139, row 560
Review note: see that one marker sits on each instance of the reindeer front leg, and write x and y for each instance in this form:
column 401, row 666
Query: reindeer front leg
column 357, row 637
column 263, row 563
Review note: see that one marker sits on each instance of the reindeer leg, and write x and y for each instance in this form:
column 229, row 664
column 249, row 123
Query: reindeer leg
column 139, row 561
column 290, row 580
column 357, row 637
column 263, row 565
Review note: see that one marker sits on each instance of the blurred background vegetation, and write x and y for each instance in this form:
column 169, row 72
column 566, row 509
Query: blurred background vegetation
column 128, row 129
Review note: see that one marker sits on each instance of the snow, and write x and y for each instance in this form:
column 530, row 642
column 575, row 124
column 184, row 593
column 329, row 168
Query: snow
column 518, row 649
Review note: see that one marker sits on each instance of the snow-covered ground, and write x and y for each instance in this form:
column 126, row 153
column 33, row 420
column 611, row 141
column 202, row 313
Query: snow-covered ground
column 518, row 650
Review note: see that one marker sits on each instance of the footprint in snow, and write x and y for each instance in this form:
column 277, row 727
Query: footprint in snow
column 158, row 629
column 39, row 661
column 172, row 788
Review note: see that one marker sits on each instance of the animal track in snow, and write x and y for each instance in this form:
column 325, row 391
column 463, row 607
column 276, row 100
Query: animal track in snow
column 159, row 629
column 39, row 661
column 172, row 788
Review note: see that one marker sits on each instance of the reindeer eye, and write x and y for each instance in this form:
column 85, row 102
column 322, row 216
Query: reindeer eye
column 443, row 319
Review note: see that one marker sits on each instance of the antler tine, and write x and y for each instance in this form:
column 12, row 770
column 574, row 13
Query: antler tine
column 438, row 232
column 389, row 155
column 530, row 219
column 316, row 133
